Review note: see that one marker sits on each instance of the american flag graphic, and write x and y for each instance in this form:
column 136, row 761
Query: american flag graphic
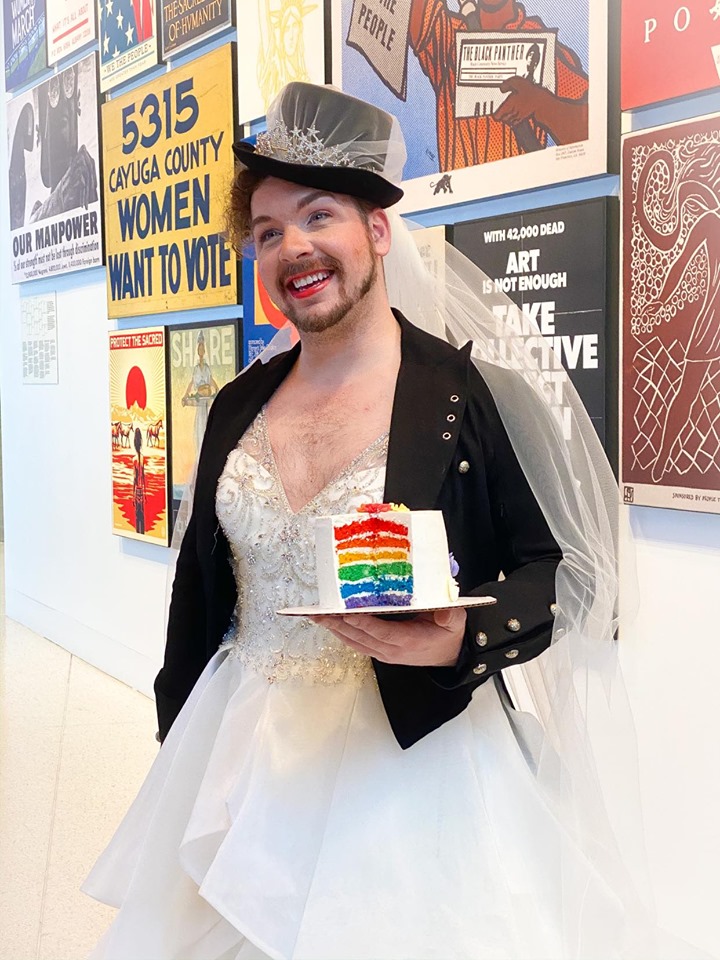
column 124, row 25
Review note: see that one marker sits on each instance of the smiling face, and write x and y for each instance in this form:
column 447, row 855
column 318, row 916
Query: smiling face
column 317, row 252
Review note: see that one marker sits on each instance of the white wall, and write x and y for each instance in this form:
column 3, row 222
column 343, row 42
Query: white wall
column 102, row 597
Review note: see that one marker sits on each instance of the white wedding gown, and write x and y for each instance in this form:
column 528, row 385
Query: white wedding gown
column 281, row 818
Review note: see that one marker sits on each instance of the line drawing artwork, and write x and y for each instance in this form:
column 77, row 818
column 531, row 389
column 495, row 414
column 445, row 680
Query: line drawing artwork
column 673, row 285
column 281, row 52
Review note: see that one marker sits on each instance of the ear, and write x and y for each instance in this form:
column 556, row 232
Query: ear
column 380, row 232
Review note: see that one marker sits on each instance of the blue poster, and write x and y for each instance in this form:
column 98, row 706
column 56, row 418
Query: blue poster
column 493, row 96
column 25, row 53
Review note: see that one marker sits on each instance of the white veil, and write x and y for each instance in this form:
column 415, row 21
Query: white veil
column 582, row 752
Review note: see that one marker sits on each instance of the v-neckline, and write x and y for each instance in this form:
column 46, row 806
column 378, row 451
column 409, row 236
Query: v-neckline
column 274, row 470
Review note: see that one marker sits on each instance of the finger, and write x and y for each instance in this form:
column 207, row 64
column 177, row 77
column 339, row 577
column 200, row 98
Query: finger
column 508, row 85
column 443, row 618
column 348, row 632
column 383, row 630
column 364, row 649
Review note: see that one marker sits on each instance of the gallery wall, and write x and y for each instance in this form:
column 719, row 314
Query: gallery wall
column 103, row 597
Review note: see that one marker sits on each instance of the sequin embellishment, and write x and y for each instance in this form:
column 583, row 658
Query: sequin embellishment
column 273, row 557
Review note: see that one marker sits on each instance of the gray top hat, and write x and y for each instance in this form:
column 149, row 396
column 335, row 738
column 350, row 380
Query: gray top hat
column 324, row 138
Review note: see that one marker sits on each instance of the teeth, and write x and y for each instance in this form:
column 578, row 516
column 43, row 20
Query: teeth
column 302, row 282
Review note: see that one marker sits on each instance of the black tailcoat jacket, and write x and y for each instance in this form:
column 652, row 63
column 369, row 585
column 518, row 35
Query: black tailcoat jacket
column 449, row 451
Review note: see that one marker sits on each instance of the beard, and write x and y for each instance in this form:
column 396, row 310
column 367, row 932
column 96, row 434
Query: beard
column 324, row 317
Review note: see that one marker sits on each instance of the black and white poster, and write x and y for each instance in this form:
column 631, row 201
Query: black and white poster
column 54, row 176
column 38, row 325
column 553, row 264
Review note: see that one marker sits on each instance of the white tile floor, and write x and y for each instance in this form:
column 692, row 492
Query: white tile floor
column 63, row 789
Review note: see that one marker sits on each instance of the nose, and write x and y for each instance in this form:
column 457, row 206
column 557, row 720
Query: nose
column 296, row 243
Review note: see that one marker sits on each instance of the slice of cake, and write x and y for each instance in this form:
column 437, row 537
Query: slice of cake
column 383, row 556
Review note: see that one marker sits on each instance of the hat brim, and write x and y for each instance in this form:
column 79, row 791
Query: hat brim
column 363, row 184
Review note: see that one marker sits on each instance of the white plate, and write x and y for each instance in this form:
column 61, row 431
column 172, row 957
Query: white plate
column 326, row 611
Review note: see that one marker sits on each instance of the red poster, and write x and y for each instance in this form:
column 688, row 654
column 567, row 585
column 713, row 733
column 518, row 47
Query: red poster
column 138, row 434
column 669, row 48
column 671, row 316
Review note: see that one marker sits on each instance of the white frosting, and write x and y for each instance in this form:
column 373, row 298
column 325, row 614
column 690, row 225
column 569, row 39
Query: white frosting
column 433, row 586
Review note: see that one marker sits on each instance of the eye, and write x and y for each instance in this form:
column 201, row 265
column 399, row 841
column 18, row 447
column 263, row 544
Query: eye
column 267, row 236
column 319, row 215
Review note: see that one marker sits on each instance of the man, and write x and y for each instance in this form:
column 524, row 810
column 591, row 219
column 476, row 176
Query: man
column 355, row 788
column 320, row 250
column 529, row 113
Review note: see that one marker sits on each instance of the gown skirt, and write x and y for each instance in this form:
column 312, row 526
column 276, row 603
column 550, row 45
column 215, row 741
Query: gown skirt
column 282, row 820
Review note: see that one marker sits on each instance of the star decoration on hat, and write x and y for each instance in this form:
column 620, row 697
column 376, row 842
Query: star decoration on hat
column 300, row 146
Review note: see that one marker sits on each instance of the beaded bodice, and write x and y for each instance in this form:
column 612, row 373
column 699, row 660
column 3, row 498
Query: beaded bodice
column 273, row 556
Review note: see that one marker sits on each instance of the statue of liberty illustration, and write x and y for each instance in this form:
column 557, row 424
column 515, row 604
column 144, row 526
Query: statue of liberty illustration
column 281, row 57
column 677, row 208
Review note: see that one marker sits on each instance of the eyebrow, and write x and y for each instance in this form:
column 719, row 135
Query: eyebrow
column 304, row 201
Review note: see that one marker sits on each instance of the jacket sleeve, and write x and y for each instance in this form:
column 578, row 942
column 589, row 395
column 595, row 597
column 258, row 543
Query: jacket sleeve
column 519, row 626
column 185, row 648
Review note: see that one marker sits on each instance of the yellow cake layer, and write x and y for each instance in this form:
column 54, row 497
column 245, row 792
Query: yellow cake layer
column 362, row 556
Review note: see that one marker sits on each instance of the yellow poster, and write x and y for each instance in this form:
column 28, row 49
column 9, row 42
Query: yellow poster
column 168, row 163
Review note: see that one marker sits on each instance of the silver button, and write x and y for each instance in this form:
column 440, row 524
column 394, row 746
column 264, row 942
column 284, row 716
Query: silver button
column 513, row 625
column 481, row 639
column 511, row 654
column 553, row 609
column 447, row 436
column 480, row 668
column 463, row 466
column 454, row 398
column 451, row 418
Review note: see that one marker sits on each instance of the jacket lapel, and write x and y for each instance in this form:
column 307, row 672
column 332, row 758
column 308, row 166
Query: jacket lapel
column 429, row 404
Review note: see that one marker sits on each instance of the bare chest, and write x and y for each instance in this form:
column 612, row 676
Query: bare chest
column 314, row 442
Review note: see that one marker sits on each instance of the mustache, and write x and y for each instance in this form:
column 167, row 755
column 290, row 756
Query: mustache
column 314, row 265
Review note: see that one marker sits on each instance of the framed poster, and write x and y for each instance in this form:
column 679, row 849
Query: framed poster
column 668, row 49
column 511, row 97
column 282, row 40
column 55, row 219
column 261, row 318
column 168, row 165
column 138, row 432
column 38, row 325
column 201, row 360
column 71, row 24
column 24, row 34
column 128, row 40
column 183, row 24
column 555, row 265
column 670, row 320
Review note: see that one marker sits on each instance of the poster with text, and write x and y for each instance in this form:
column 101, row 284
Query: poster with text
column 261, row 318
column 128, row 40
column 201, row 360
column 183, row 23
column 70, row 26
column 168, row 165
column 499, row 100
column 38, row 329
column 668, row 49
column 282, row 40
column 671, row 316
column 24, row 34
column 552, row 263
column 53, row 179
column 138, row 432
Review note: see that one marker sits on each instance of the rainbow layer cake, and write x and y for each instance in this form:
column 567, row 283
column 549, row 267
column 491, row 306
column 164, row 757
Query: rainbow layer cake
column 383, row 556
